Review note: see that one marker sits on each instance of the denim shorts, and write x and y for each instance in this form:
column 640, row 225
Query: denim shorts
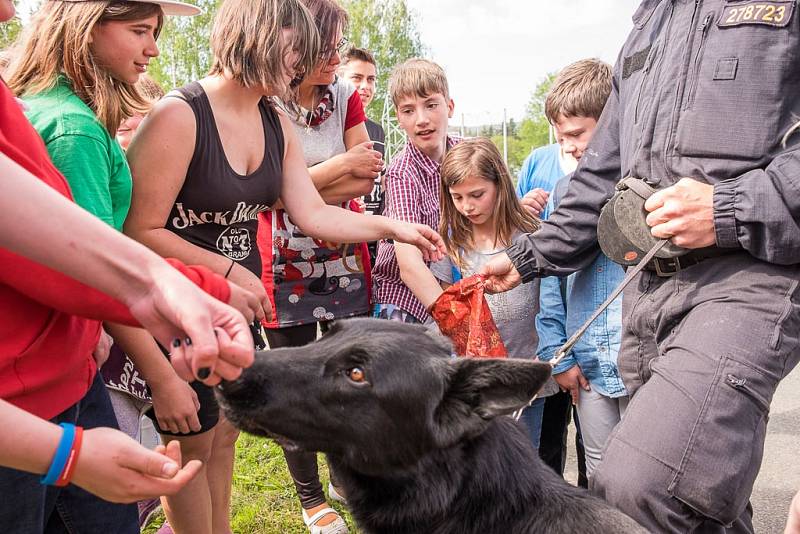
column 28, row 507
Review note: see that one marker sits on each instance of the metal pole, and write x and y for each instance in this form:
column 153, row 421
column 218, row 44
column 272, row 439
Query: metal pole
column 505, row 138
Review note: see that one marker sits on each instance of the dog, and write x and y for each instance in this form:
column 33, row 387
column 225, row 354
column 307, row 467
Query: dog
column 417, row 439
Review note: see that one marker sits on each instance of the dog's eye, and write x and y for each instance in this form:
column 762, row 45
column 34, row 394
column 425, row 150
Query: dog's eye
column 356, row 374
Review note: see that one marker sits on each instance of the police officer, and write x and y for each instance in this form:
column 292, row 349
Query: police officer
column 705, row 94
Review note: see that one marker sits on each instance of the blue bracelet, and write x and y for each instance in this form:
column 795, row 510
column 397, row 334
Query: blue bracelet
column 61, row 456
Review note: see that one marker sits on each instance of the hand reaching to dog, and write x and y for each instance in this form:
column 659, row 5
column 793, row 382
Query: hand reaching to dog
column 683, row 213
column 426, row 239
column 573, row 381
column 116, row 468
column 207, row 339
column 500, row 274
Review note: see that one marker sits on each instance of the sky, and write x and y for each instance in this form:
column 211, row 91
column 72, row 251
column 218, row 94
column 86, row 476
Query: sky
column 496, row 51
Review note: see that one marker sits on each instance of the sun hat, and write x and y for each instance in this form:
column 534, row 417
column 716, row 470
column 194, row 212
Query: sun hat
column 170, row 7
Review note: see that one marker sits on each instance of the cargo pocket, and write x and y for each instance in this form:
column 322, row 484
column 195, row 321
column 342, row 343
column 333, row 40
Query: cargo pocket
column 726, row 445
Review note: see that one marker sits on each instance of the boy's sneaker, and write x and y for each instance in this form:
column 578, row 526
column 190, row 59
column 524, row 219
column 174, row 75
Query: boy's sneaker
column 147, row 509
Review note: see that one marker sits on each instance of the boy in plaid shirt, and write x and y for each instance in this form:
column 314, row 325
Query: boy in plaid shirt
column 403, row 286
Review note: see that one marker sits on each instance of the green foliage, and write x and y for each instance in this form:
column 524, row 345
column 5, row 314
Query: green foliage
column 9, row 32
column 185, row 49
column 532, row 132
column 388, row 29
column 264, row 500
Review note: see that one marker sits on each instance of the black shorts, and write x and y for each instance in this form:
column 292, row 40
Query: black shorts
column 208, row 414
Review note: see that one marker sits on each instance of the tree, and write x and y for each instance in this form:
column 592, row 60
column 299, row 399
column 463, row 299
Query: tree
column 9, row 32
column 388, row 29
column 185, row 47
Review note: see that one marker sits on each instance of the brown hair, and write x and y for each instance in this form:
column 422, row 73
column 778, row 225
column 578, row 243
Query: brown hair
column 56, row 42
column 417, row 77
column 358, row 54
column 329, row 17
column 580, row 90
column 247, row 43
column 479, row 157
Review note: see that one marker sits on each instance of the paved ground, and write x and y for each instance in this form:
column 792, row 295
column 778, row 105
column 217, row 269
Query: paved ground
column 780, row 471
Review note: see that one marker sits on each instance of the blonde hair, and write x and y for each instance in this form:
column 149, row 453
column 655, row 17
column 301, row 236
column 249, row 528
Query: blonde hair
column 57, row 41
column 417, row 77
column 247, row 41
column 480, row 158
column 580, row 90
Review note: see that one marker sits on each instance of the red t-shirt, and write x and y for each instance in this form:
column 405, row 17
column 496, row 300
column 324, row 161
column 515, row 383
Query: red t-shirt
column 50, row 323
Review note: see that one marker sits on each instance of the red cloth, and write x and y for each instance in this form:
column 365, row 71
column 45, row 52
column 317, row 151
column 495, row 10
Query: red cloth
column 463, row 315
column 355, row 112
column 49, row 323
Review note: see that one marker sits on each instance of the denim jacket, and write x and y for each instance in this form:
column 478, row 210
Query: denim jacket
column 565, row 304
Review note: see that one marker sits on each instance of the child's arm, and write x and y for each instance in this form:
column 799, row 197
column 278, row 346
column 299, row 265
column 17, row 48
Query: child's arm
column 416, row 275
column 174, row 400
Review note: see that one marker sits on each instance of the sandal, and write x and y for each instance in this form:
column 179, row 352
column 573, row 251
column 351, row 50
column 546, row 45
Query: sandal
column 337, row 526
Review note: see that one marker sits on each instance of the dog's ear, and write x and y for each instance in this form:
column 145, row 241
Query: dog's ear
column 478, row 390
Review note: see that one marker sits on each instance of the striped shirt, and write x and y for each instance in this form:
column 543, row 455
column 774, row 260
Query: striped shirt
column 412, row 195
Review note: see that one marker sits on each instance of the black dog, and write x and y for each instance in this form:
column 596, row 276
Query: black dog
column 413, row 435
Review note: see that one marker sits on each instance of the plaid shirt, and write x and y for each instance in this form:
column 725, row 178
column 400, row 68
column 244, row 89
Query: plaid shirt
column 412, row 195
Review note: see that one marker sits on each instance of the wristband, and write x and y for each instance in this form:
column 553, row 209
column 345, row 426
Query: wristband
column 61, row 456
column 233, row 262
column 72, row 459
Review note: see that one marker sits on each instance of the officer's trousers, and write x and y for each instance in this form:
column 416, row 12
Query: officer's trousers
column 702, row 354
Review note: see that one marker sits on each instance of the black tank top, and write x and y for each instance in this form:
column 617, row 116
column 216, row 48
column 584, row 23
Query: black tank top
column 217, row 208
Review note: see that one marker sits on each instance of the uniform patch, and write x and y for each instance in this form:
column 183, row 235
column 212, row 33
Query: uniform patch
column 769, row 13
column 635, row 62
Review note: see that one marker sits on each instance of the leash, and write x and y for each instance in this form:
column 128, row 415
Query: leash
column 562, row 352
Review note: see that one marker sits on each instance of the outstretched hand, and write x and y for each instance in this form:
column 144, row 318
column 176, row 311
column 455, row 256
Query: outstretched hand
column 116, row 468
column 207, row 339
column 500, row 274
column 426, row 239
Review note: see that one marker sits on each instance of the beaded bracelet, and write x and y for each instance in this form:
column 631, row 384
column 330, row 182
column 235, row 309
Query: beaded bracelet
column 64, row 453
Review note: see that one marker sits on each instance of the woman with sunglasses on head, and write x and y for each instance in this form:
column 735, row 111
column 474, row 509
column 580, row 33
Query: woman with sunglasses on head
column 207, row 160
column 311, row 282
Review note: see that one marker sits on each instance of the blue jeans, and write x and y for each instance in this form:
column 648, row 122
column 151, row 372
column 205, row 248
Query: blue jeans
column 28, row 507
column 532, row 421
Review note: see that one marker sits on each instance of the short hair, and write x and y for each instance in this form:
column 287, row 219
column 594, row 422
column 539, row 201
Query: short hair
column 417, row 77
column 247, row 44
column 358, row 54
column 580, row 90
column 329, row 18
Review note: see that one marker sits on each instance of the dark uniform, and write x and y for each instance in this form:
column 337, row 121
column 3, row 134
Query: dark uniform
column 704, row 89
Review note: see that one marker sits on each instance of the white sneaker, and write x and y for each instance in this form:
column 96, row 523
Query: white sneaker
column 338, row 526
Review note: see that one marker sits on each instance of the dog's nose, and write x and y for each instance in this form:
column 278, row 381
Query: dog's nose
column 230, row 387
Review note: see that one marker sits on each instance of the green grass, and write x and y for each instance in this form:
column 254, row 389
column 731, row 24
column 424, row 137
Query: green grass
column 264, row 500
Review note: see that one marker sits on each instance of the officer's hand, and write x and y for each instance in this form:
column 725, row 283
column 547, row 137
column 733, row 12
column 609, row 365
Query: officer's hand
column 793, row 525
column 684, row 213
column 572, row 380
column 535, row 200
column 500, row 275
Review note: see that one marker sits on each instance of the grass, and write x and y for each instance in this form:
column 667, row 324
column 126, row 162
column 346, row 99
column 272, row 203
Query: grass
column 264, row 500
